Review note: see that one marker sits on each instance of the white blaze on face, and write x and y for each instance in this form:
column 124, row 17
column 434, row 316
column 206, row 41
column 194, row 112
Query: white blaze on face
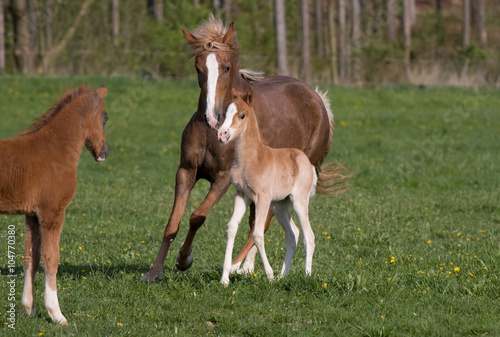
column 213, row 75
column 223, row 132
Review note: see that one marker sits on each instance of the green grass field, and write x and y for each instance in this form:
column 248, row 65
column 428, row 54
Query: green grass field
column 412, row 249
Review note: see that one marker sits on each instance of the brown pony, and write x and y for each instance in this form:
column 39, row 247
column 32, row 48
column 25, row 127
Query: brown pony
column 284, row 106
column 38, row 179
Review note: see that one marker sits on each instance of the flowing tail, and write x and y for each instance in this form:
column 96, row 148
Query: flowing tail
column 332, row 177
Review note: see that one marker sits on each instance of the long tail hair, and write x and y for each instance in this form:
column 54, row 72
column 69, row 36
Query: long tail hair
column 332, row 177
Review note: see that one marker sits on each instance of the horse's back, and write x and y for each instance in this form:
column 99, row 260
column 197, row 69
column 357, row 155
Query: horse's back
column 292, row 114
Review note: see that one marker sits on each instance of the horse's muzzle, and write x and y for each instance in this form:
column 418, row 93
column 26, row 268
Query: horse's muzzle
column 103, row 154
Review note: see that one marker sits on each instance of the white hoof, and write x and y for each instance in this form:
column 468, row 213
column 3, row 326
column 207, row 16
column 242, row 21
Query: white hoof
column 235, row 268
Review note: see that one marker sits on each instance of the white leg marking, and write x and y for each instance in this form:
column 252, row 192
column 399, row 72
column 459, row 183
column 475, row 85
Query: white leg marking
column 52, row 305
column 249, row 264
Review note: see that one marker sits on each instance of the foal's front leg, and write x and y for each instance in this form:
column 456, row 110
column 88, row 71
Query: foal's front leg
column 261, row 210
column 240, row 206
column 31, row 261
column 51, row 225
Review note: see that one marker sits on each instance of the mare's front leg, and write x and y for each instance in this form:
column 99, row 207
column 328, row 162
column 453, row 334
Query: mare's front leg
column 261, row 211
column 217, row 190
column 240, row 206
column 249, row 250
column 31, row 260
column 51, row 222
column 184, row 183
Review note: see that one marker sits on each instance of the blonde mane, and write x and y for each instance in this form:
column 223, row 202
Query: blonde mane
column 209, row 37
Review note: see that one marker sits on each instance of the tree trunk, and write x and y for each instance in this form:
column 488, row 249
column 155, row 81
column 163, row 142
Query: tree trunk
column 155, row 9
column 342, row 43
column 465, row 24
column 481, row 31
column 391, row 21
column 49, row 59
column 333, row 42
column 306, row 51
column 320, row 40
column 226, row 12
column 356, row 34
column 22, row 52
column 115, row 18
column 407, row 22
column 2, row 37
column 281, row 50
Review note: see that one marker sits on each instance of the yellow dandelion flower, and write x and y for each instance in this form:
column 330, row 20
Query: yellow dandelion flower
column 382, row 317
column 457, row 269
column 119, row 324
column 421, row 272
column 429, row 242
column 471, row 274
column 80, row 248
column 459, row 234
column 325, row 285
column 254, row 275
column 84, row 278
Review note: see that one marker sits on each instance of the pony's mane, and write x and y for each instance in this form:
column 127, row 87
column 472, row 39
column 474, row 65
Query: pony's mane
column 43, row 120
column 208, row 36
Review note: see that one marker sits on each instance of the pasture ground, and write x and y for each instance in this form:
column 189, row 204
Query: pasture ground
column 411, row 249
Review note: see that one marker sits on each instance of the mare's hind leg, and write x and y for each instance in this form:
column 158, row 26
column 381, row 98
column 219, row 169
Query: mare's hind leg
column 240, row 206
column 249, row 250
column 282, row 211
column 218, row 188
column 31, row 261
column 51, row 225
column 300, row 206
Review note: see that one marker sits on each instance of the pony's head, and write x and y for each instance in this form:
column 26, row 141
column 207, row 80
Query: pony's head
column 236, row 117
column 95, row 136
column 216, row 49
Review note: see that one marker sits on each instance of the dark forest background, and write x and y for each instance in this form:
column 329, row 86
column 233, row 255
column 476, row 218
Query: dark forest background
column 343, row 42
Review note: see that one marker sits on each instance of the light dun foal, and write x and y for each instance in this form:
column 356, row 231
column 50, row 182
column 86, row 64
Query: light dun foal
column 268, row 177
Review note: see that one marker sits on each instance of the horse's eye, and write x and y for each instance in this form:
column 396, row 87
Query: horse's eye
column 226, row 70
column 242, row 116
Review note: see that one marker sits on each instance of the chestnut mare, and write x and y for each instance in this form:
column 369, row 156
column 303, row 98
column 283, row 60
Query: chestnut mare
column 284, row 107
column 276, row 178
column 38, row 179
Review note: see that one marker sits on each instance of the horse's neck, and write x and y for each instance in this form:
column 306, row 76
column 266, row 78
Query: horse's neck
column 64, row 133
column 239, row 83
column 249, row 147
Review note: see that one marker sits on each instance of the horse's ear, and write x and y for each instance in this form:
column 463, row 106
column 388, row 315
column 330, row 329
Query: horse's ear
column 229, row 34
column 83, row 87
column 102, row 92
column 234, row 93
column 249, row 96
column 189, row 37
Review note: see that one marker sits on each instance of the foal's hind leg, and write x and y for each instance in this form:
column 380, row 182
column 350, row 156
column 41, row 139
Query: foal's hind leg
column 282, row 210
column 31, row 261
column 51, row 225
column 300, row 206
column 218, row 188
column 249, row 250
